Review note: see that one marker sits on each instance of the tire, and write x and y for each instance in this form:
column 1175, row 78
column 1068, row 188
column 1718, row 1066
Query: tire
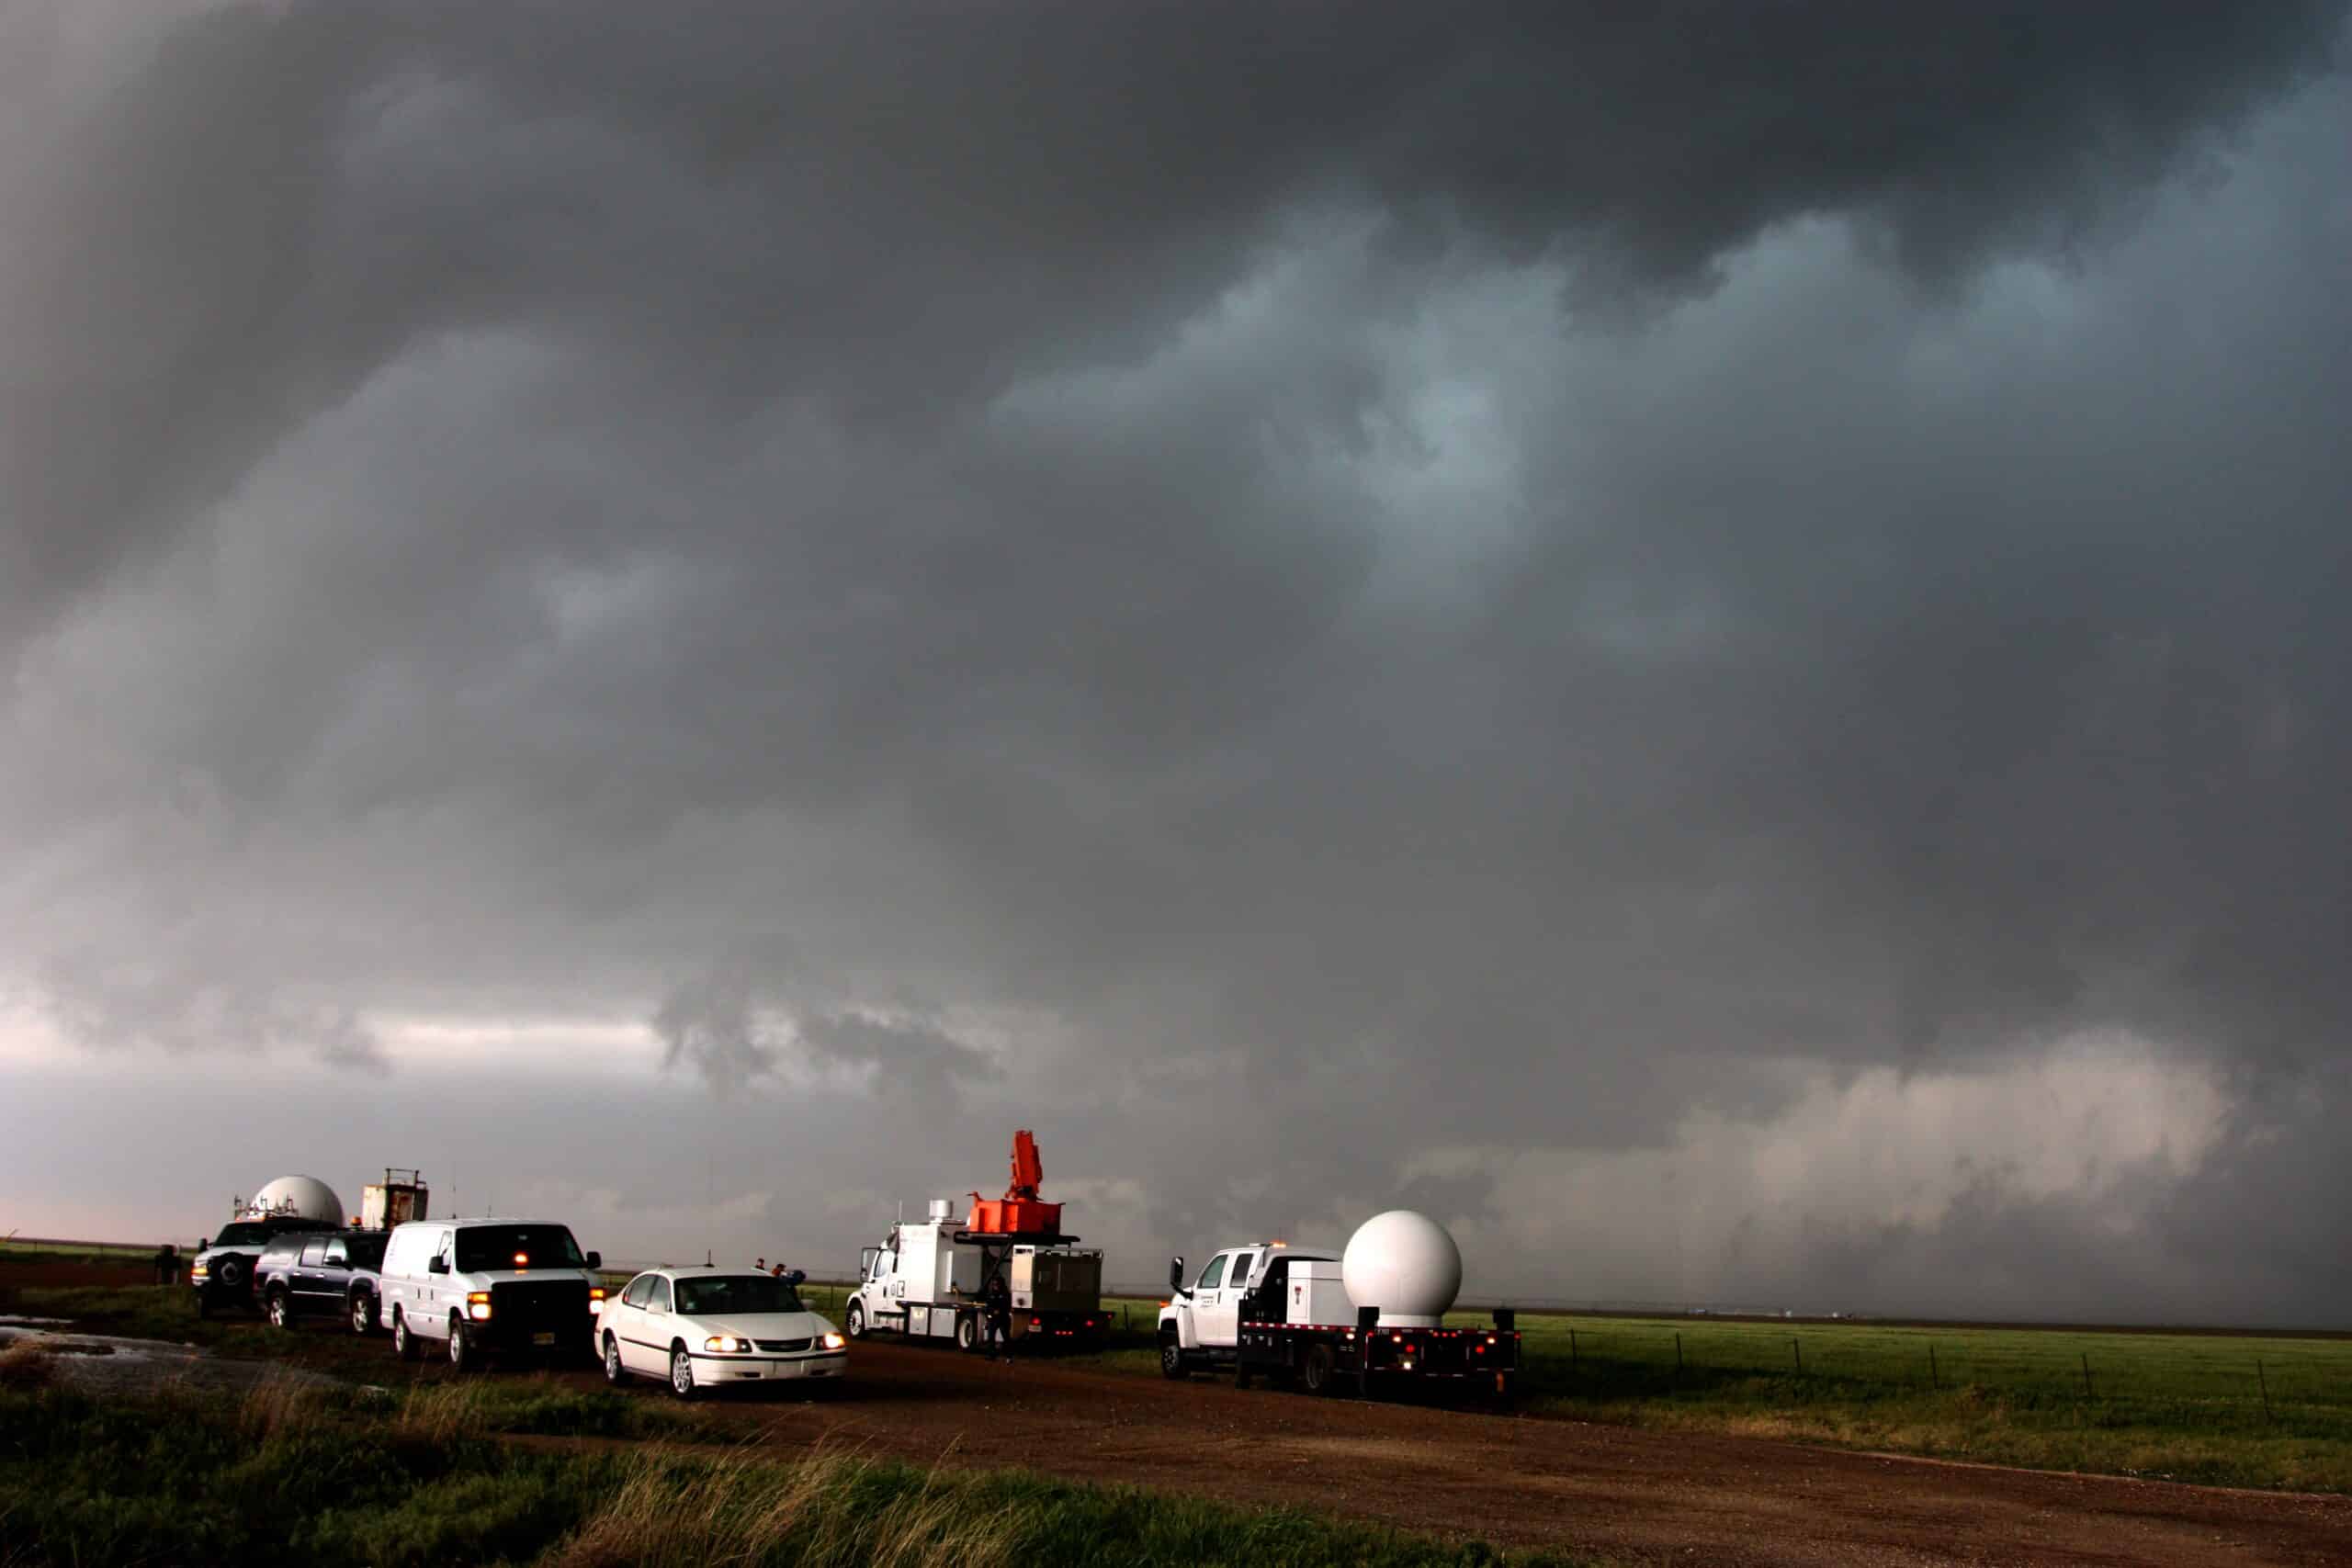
column 1320, row 1372
column 968, row 1334
column 279, row 1309
column 615, row 1373
column 362, row 1316
column 1172, row 1358
column 403, row 1337
column 462, row 1355
column 853, row 1320
column 229, row 1273
column 682, row 1373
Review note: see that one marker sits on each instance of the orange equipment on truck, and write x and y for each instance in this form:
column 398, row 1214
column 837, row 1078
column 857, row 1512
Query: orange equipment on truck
column 1020, row 1211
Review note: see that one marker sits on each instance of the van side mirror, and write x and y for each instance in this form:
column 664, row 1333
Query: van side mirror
column 596, row 1259
column 437, row 1266
column 1176, row 1274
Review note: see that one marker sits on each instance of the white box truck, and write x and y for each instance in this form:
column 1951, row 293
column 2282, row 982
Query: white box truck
column 929, row 1281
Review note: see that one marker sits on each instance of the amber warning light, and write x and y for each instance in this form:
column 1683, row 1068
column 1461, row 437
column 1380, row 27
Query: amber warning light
column 522, row 1260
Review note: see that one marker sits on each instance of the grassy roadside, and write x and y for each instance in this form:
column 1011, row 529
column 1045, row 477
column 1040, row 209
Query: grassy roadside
column 311, row 1474
column 2264, row 1411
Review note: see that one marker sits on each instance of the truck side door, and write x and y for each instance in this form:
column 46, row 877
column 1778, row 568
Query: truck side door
column 1216, row 1300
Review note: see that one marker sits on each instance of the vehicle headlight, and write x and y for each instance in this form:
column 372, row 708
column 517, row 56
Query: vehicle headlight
column 725, row 1345
column 595, row 1294
column 835, row 1341
column 477, row 1305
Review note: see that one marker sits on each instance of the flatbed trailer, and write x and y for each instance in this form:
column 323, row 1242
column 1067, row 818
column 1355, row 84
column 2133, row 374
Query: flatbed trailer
column 1361, row 1357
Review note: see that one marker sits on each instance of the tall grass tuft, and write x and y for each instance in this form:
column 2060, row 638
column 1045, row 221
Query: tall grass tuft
column 670, row 1512
column 25, row 1366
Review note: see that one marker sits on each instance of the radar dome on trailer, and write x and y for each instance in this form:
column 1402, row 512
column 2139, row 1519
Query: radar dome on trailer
column 303, row 1197
column 1404, row 1264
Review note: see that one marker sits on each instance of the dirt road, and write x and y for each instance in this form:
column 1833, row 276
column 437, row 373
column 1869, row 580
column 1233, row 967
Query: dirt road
column 1521, row 1482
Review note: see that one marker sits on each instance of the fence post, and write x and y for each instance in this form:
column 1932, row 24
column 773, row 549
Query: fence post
column 1934, row 1381
column 1798, row 1351
column 1678, row 1354
column 2087, row 1376
column 2261, row 1378
column 1572, row 1351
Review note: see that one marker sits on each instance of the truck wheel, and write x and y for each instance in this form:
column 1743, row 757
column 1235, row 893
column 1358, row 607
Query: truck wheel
column 461, row 1350
column 1242, row 1375
column 229, row 1273
column 363, row 1314
column 280, row 1310
column 1172, row 1358
column 853, row 1320
column 968, row 1334
column 403, row 1340
column 1318, row 1373
column 682, row 1373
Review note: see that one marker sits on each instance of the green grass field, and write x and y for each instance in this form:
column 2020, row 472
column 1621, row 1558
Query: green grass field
column 2183, row 1406
column 14, row 1250
column 339, row 1476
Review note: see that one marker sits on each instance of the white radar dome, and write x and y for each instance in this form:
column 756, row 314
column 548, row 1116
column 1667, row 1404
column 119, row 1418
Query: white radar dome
column 303, row 1197
column 1406, row 1264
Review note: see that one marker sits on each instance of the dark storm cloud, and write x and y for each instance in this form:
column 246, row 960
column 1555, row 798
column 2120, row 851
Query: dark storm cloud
column 250, row 206
column 1330, row 583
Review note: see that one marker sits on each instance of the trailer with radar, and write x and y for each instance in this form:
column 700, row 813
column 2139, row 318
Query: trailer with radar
column 931, row 1279
column 1374, row 1317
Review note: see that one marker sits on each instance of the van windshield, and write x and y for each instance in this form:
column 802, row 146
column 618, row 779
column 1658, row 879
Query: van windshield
column 481, row 1248
column 714, row 1294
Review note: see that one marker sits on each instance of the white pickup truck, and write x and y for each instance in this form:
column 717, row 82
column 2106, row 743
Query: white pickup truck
column 1284, row 1312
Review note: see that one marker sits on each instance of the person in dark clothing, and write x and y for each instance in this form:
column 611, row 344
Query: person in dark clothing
column 168, row 1265
column 996, row 1318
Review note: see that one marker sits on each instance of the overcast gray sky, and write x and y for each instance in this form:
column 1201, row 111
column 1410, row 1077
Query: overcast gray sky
column 1704, row 638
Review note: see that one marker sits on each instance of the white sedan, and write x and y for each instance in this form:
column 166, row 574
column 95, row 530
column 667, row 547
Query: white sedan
column 698, row 1328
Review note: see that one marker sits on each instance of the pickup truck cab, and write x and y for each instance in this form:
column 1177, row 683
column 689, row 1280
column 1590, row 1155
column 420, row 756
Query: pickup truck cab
column 479, row 1288
column 222, row 1271
column 1200, row 1328
column 331, row 1274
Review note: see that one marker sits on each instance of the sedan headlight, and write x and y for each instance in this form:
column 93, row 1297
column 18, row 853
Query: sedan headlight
column 725, row 1345
column 835, row 1341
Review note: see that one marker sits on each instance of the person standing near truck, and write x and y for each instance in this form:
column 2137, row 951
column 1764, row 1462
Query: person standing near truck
column 996, row 1314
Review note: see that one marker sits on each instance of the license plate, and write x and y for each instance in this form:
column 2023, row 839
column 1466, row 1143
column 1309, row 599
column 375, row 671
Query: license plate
column 546, row 1338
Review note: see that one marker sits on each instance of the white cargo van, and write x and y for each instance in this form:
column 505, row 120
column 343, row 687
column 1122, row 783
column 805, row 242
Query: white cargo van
column 489, row 1287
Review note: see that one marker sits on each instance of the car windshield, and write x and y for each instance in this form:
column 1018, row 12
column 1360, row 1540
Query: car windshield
column 481, row 1248
column 249, row 1233
column 723, row 1293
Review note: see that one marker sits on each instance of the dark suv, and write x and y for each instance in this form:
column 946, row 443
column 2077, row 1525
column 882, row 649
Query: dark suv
column 331, row 1274
column 223, row 1273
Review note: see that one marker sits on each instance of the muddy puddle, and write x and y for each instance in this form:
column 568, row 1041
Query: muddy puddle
column 111, row 1364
